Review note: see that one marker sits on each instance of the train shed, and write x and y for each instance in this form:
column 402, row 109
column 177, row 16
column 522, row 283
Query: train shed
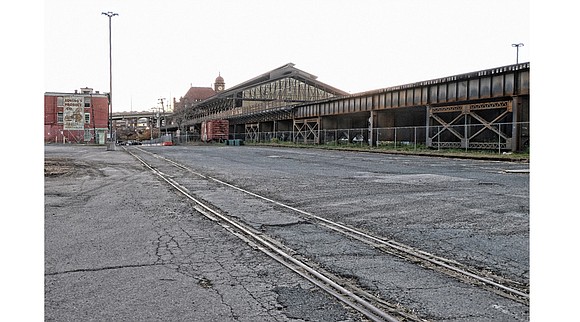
column 487, row 109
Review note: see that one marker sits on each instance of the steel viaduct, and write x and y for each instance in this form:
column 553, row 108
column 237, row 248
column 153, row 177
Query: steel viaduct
column 487, row 109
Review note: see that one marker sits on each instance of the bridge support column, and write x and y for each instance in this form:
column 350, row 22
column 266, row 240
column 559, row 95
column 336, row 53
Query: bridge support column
column 516, row 126
column 371, row 124
column 428, row 140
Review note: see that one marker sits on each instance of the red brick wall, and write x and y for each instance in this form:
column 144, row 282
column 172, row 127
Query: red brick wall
column 54, row 132
column 101, row 112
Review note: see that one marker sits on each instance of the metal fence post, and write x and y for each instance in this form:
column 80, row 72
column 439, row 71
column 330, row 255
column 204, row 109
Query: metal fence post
column 499, row 138
column 348, row 135
column 438, row 138
column 465, row 135
column 415, row 136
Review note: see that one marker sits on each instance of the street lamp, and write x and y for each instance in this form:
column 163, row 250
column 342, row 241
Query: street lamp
column 110, row 15
column 517, row 50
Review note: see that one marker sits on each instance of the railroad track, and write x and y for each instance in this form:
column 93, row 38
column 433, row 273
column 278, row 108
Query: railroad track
column 365, row 302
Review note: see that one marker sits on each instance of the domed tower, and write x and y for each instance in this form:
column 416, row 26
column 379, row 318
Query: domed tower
column 219, row 84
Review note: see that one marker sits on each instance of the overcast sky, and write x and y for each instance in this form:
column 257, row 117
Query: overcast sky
column 161, row 48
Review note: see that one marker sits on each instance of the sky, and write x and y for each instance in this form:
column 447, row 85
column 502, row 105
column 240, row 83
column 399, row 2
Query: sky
column 161, row 48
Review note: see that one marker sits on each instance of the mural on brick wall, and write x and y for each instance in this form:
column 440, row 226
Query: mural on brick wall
column 73, row 113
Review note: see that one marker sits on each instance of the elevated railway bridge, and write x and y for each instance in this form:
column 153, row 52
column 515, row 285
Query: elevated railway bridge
column 137, row 125
column 135, row 118
column 487, row 109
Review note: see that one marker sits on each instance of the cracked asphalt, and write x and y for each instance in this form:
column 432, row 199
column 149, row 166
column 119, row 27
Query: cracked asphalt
column 120, row 246
column 472, row 211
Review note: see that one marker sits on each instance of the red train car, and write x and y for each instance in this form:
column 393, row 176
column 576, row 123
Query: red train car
column 215, row 130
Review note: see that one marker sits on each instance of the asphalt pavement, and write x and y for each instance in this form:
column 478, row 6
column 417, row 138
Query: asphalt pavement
column 120, row 246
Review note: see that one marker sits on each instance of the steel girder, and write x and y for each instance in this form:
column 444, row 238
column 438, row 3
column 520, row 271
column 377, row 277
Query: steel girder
column 307, row 131
column 252, row 132
column 445, row 129
column 287, row 89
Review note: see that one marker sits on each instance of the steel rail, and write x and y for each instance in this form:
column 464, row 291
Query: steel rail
column 344, row 295
column 362, row 236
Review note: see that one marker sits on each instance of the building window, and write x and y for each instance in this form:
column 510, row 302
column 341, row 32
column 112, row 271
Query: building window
column 87, row 118
column 60, row 101
column 87, row 102
column 59, row 118
column 87, row 135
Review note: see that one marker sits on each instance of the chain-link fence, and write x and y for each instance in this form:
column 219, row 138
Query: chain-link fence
column 500, row 136
column 86, row 136
column 497, row 136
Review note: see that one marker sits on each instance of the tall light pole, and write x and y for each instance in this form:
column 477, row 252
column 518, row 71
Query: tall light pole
column 163, row 114
column 517, row 51
column 110, row 15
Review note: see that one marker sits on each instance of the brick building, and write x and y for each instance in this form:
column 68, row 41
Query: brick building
column 197, row 94
column 79, row 117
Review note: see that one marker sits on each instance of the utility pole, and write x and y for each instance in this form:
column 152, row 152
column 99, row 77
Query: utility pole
column 517, row 51
column 110, row 15
column 155, row 116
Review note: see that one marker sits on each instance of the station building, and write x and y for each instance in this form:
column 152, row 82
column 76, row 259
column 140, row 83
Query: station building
column 183, row 108
column 78, row 117
column 198, row 94
column 486, row 109
column 263, row 103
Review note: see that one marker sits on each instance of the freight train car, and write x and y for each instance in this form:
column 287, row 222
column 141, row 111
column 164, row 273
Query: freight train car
column 215, row 130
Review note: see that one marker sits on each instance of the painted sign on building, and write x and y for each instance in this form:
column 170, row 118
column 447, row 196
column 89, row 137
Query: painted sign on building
column 73, row 113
